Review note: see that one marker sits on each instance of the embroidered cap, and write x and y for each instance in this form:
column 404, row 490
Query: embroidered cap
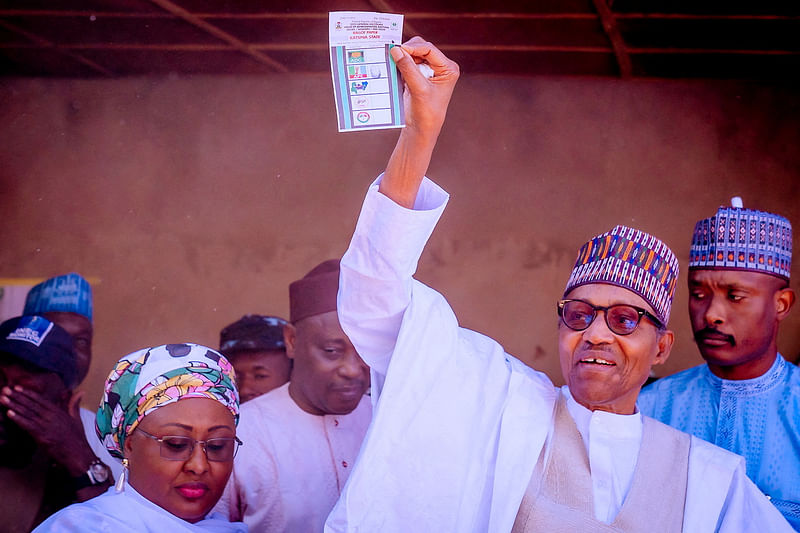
column 145, row 380
column 630, row 259
column 68, row 293
column 743, row 239
column 41, row 343
column 315, row 293
column 253, row 333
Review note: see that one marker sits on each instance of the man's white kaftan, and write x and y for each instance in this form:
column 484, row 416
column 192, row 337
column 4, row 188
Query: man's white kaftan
column 458, row 423
column 293, row 465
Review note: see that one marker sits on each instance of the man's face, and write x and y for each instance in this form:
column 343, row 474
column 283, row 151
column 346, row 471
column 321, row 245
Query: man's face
column 260, row 371
column 328, row 376
column 735, row 316
column 604, row 370
column 49, row 385
column 80, row 328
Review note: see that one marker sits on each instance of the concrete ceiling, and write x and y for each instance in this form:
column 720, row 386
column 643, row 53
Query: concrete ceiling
column 753, row 40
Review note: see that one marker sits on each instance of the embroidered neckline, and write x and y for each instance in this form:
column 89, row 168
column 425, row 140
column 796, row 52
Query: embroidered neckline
column 750, row 387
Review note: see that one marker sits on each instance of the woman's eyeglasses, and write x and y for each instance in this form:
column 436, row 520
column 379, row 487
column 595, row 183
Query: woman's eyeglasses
column 621, row 319
column 177, row 448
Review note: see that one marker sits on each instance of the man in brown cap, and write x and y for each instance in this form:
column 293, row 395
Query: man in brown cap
column 302, row 438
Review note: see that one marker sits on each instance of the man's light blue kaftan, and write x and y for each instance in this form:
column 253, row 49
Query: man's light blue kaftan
column 757, row 418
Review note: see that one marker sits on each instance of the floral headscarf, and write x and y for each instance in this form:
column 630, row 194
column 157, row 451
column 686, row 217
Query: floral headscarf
column 153, row 377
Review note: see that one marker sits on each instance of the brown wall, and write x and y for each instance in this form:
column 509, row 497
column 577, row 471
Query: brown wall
column 194, row 201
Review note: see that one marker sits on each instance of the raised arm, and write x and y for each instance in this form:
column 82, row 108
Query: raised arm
column 425, row 100
column 376, row 272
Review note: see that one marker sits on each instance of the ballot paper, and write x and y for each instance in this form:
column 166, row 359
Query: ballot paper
column 365, row 81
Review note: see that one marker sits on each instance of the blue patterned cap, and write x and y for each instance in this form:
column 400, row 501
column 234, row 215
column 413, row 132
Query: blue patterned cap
column 69, row 293
column 148, row 379
column 743, row 239
column 631, row 259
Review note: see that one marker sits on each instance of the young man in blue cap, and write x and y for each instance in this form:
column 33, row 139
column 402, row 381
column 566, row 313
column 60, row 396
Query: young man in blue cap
column 746, row 398
column 38, row 372
column 66, row 300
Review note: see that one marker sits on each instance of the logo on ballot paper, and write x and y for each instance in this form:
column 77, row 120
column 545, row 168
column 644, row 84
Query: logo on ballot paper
column 358, row 86
column 362, row 117
column 357, row 72
column 355, row 56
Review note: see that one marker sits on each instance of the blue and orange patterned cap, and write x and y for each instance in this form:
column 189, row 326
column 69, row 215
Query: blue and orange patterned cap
column 68, row 293
column 743, row 239
column 631, row 259
column 154, row 377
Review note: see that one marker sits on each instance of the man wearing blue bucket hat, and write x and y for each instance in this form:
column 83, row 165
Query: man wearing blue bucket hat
column 66, row 300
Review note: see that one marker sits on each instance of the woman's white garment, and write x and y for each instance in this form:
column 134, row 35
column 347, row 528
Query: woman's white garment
column 130, row 512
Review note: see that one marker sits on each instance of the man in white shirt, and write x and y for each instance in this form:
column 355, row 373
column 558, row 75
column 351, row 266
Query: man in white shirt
column 467, row 438
column 301, row 439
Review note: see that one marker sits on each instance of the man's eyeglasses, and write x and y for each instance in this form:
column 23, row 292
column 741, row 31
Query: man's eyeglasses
column 176, row 448
column 621, row 319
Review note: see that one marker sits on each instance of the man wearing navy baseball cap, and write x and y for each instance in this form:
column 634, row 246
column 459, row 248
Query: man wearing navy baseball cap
column 38, row 371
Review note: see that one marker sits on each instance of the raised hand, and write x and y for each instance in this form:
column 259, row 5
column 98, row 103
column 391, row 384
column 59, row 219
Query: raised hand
column 59, row 433
column 425, row 100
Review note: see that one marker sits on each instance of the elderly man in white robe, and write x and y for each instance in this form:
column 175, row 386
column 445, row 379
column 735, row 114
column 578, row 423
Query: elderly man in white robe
column 303, row 437
column 467, row 438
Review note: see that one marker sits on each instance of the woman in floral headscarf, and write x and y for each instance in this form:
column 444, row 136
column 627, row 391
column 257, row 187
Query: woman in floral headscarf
column 169, row 413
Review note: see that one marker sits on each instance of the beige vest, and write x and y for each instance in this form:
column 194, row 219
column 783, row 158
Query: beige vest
column 560, row 500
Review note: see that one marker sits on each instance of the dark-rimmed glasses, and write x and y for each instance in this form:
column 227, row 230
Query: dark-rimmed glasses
column 621, row 319
column 179, row 448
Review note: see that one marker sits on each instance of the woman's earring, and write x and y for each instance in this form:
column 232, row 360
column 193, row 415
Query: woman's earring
column 120, row 486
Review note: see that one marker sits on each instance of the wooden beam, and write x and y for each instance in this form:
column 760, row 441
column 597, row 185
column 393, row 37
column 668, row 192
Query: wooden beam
column 317, row 47
column 313, row 47
column 193, row 19
column 617, row 43
column 685, row 16
column 45, row 44
column 78, row 14
column 406, row 16
column 523, row 48
column 711, row 51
